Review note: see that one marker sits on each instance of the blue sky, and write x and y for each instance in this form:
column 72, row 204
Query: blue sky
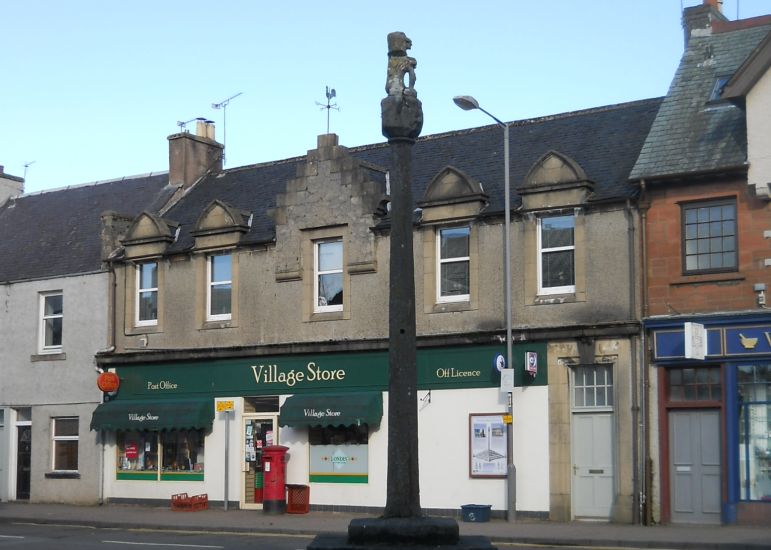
column 92, row 88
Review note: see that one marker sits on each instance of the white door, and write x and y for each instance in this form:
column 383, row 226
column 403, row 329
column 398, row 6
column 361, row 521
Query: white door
column 257, row 431
column 592, row 442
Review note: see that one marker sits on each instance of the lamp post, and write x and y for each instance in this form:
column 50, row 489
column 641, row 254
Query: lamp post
column 468, row 103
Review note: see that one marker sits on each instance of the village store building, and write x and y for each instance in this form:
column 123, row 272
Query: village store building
column 162, row 434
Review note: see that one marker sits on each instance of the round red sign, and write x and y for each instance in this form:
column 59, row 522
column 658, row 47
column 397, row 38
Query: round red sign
column 108, row 382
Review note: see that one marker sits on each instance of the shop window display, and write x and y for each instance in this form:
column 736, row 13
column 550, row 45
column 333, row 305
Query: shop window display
column 165, row 456
column 338, row 454
column 754, row 383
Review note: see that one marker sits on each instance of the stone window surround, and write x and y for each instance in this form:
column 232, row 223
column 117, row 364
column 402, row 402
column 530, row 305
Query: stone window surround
column 531, row 228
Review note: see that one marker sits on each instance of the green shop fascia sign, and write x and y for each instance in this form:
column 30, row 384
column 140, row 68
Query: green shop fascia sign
column 445, row 368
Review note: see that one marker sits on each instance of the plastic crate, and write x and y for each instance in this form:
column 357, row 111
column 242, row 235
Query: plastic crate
column 298, row 499
column 181, row 502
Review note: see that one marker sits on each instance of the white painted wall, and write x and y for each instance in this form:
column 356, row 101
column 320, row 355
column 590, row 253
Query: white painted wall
column 444, row 457
column 758, row 136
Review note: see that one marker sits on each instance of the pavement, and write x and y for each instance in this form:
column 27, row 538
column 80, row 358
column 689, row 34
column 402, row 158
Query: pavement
column 534, row 532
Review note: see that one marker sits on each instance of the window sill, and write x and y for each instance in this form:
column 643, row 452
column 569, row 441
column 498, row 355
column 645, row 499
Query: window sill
column 208, row 325
column 62, row 475
column 450, row 307
column 327, row 316
column 554, row 299
column 48, row 357
column 708, row 278
column 144, row 329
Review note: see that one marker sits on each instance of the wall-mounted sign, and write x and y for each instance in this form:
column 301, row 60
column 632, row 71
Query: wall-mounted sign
column 488, row 445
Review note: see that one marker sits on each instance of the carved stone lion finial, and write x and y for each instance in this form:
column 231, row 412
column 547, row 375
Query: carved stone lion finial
column 400, row 65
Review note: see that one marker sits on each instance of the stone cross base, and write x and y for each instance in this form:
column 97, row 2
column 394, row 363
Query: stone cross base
column 394, row 533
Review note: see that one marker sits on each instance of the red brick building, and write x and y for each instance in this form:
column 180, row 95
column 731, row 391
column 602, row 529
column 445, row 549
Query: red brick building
column 706, row 228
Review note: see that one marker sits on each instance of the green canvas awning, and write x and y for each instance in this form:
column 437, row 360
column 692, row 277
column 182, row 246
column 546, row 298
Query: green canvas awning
column 325, row 409
column 167, row 414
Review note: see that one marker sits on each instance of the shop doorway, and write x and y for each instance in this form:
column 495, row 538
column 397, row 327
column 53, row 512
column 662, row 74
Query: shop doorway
column 592, row 441
column 23, row 461
column 694, row 466
column 257, row 432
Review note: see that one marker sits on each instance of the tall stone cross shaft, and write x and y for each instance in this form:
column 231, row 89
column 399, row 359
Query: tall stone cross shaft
column 402, row 121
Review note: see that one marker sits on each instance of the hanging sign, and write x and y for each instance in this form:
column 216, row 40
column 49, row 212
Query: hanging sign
column 531, row 363
column 108, row 382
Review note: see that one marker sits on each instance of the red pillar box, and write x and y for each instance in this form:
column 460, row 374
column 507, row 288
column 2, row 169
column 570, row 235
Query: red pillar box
column 274, row 479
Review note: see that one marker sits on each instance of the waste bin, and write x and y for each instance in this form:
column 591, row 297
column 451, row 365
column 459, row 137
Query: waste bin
column 298, row 499
column 274, row 479
column 478, row 513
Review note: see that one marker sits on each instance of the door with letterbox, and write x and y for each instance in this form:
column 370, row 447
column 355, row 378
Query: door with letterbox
column 257, row 432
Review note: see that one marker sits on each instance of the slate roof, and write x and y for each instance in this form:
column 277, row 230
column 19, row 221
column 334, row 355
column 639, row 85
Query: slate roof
column 58, row 233
column 690, row 134
column 604, row 141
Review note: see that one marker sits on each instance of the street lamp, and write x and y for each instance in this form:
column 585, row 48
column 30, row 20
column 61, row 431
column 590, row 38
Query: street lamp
column 468, row 103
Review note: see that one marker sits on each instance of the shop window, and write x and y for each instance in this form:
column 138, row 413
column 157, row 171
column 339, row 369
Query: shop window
column 51, row 322
column 593, row 387
column 65, row 444
column 556, row 255
column 147, row 294
column 754, row 383
column 181, row 455
column 709, row 237
column 328, row 275
column 453, row 261
column 219, row 287
column 338, row 454
column 694, row 384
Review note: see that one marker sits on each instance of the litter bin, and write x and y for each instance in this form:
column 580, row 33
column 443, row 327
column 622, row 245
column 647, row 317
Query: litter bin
column 478, row 513
column 298, row 499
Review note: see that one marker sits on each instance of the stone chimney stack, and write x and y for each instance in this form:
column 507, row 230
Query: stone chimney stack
column 10, row 186
column 697, row 20
column 192, row 156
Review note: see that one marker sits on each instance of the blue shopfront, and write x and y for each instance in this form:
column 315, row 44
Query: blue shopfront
column 714, row 410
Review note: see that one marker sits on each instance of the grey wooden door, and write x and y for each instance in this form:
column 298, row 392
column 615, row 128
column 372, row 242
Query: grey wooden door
column 694, row 466
column 592, row 465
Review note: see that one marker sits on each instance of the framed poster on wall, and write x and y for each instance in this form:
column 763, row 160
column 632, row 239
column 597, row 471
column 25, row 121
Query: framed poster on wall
column 488, row 445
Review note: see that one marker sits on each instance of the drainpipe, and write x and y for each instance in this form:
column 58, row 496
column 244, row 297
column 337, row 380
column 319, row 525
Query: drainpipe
column 644, row 451
column 634, row 368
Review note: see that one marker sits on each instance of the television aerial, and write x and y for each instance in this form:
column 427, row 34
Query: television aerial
column 331, row 93
column 224, row 106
